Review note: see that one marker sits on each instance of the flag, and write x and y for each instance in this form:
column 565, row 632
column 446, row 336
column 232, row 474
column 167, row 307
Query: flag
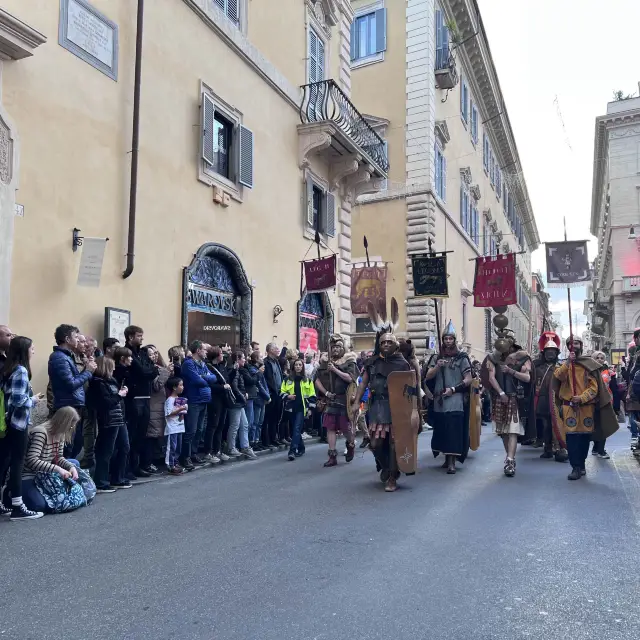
column 430, row 276
column 567, row 263
column 320, row 275
column 368, row 284
column 494, row 284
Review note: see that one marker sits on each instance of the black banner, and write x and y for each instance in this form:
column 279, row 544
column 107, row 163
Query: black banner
column 567, row 263
column 430, row 276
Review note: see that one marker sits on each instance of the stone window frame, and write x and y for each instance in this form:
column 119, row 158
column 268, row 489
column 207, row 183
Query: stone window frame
column 374, row 58
column 308, row 232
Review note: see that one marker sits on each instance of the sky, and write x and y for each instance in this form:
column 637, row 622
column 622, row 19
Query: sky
column 559, row 63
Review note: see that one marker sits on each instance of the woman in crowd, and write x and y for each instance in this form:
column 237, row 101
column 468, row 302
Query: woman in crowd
column 611, row 383
column 259, row 402
column 18, row 401
column 249, row 375
column 106, row 398
column 299, row 396
column 217, row 408
column 176, row 358
column 238, row 424
column 156, row 428
column 45, row 454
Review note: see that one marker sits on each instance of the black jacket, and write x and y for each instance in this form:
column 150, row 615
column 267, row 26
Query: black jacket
column 237, row 386
column 273, row 376
column 250, row 377
column 104, row 400
column 121, row 375
column 141, row 375
column 218, row 391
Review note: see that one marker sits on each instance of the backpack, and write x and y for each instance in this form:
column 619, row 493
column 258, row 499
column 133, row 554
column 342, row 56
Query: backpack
column 60, row 495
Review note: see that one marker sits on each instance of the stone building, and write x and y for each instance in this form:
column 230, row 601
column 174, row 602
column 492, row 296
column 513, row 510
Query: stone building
column 615, row 221
column 422, row 71
column 247, row 145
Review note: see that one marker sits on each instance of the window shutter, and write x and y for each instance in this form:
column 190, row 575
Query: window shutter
column 444, row 179
column 207, row 114
column 308, row 201
column 320, row 63
column 354, row 40
column 381, row 30
column 330, row 215
column 245, row 172
column 220, row 3
column 462, row 205
column 313, row 56
column 232, row 10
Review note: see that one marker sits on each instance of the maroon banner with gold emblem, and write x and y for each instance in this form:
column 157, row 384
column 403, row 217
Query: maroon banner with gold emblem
column 368, row 284
column 320, row 275
column 495, row 281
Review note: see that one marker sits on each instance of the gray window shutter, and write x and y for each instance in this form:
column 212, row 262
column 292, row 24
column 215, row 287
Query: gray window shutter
column 381, row 30
column 232, row 10
column 220, row 3
column 320, row 70
column 207, row 113
column 245, row 155
column 313, row 56
column 354, row 40
column 330, row 215
column 308, row 202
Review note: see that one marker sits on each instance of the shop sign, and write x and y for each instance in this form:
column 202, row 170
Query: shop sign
column 211, row 301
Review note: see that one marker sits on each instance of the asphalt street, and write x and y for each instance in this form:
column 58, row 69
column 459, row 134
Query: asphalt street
column 273, row 549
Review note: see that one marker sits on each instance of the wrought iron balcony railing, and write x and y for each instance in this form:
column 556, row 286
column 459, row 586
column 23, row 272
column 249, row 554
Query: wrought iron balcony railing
column 324, row 101
column 446, row 72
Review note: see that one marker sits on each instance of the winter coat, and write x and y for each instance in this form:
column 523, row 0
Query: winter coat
column 196, row 378
column 237, row 386
column 273, row 376
column 158, row 398
column 67, row 383
column 636, row 385
column 142, row 373
column 250, row 377
column 105, row 401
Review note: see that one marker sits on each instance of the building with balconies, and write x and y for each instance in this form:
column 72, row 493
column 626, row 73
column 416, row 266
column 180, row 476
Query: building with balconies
column 615, row 221
column 424, row 74
column 211, row 141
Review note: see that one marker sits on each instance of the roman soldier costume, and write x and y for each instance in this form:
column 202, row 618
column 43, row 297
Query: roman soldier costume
column 393, row 393
column 545, row 366
column 335, row 383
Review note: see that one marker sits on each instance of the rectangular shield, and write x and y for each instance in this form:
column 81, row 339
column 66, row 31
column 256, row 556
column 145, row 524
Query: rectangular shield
column 405, row 419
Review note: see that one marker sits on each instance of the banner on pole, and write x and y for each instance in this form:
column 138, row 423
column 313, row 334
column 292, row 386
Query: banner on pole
column 368, row 284
column 567, row 263
column 430, row 276
column 494, row 284
column 320, row 275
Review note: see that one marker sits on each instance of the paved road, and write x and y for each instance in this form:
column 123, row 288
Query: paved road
column 288, row 550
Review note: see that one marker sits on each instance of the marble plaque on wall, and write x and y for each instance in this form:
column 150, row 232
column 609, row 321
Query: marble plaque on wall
column 90, row 35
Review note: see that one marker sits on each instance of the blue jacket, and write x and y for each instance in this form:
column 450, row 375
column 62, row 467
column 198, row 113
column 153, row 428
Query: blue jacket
column 196, row 378
column 67, row 383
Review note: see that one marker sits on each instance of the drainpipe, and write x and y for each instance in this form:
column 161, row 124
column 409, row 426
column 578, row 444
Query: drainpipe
column 133, row 191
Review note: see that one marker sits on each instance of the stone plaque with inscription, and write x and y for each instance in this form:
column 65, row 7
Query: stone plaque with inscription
column 90, row 35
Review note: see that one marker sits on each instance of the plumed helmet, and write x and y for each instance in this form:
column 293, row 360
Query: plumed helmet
column 549, row 340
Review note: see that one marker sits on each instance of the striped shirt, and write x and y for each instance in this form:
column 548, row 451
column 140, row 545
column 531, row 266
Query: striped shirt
column 43, row 455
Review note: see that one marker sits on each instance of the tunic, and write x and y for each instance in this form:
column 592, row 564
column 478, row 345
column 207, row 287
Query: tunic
column 579, row 418
column 451, row 415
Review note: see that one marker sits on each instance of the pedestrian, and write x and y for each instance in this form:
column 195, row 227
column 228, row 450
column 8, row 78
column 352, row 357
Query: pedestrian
column 197, row 379
column 260, row 403
column 633, row 397
column 175, row 410
column 299, row 396
column 68, row 381
column 611, row 384
column 155, row 431
column 579, row 392
column 249, row 375
column 176, row 358
column 273, row 410
column 452, row 376
column 5, row 340
column 91, row 348
column 18, row 401
column 217, row 407
column 106, row 398
column 238, row 423
column 109, row 346
column 142, row 372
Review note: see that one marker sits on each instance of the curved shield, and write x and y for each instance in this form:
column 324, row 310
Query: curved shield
column 475, row 415
column 403, row 401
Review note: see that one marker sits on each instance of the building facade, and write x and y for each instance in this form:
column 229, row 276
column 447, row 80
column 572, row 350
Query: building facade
column 248, row 148
column 541, row 317
column 615, row 221
column 422, row 71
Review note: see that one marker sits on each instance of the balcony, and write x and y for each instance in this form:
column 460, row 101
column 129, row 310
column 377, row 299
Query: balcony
column 446, row 72
column 334, row 129
column 603, row 296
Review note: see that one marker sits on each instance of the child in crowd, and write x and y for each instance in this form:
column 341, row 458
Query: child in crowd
column 175, row 409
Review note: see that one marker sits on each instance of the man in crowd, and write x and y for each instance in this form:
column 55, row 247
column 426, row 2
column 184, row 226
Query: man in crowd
column 633, row 398
column 197, row 380
column 545, row 366
column 141, row 375
column 332, row 381
column 109, row 346
column 273, row 410
column 91, row 348
column 67, row 381
column 582, row 400
column 255, row 346
column 5, row 340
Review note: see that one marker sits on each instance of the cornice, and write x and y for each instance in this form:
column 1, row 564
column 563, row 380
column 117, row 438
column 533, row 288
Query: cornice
column 17, row 39
column 476, row 53
column 442, row 132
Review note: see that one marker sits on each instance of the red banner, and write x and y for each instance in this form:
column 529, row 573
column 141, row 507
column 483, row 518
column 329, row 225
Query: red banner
column 495, row 281
column 368, row 284
column 320, row 275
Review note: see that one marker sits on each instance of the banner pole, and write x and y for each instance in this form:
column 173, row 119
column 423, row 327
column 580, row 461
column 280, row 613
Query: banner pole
column 366, row 250
column 571, row 348
column 435, row 303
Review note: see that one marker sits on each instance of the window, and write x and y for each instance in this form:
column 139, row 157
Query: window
column 492, row 168
column 487, row 330
column 485, row 240
column 475, row 224
column 226, row 146
column 319, row 209
column 230, row 8
column 498, row 182
column 493, row 246
column 464, row 319
column 464, row 102
column 485, row 152
column 316, row 57
column 464, row 208
column 440, row 173
column 505, row 197
column 474, row 123
column 442, row 41
column 369, row 36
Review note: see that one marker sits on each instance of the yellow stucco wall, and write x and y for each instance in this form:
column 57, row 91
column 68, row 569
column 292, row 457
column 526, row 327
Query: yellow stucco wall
column 75, row 130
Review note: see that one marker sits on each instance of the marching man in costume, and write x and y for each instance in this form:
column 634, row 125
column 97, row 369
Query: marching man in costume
column 545, row 366
column 450, row 378
column 583, row 404
column 393, row 393
column 333, row 380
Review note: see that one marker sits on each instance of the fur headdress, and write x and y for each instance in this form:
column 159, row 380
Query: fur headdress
column 378, row 317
